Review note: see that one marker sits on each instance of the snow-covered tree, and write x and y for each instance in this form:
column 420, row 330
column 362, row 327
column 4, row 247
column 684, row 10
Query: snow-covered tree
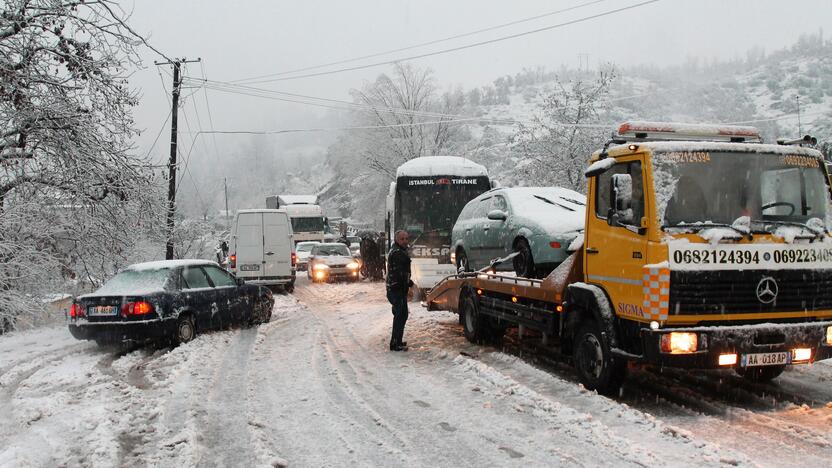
column 71, row 193
column 412, row 90
column 562, row 135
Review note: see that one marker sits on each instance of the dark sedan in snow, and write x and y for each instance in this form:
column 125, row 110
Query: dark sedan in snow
column 167, row 301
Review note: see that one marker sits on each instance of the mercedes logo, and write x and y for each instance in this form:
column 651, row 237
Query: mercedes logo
column 767, row 290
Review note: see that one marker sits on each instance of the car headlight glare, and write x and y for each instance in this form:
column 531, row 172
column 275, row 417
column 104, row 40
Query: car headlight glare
column 320, row 266
column 829, row 335
column 353, row 265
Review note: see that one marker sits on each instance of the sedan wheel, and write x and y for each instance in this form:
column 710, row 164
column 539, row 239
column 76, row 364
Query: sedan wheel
column 185, row 329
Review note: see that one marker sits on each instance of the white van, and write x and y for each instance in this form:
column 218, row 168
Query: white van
column 262, row 249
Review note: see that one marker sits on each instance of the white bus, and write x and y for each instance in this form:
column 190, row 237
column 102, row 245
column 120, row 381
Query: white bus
column 425, row 200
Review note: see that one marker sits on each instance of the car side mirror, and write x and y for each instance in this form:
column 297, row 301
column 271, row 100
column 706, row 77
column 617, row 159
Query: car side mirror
column 497, row 215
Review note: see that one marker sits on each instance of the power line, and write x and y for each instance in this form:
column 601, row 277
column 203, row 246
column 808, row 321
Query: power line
column 352, row 106
column 423, row 44
column 336, row 104
column 463, row 47
column 208, row 107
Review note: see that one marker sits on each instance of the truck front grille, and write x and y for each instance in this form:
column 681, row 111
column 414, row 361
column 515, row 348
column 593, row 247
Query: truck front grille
column 730, row 292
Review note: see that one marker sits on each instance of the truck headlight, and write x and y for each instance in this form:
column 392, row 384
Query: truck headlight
column 829, row 335
column 679, row 342
column 353, row 265
column 320, row 266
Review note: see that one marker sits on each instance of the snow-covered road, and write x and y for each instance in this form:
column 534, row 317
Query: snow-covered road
column 318, row 387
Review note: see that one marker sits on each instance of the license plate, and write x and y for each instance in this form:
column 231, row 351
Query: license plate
column 766, row 359
column 250, row 267
column 101, row 311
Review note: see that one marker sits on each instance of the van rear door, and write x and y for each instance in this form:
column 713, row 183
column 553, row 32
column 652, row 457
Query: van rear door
column 249, row 245
column 277, row 244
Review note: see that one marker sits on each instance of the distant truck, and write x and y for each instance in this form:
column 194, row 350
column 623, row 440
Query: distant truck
column 703, row 248
column 308, row 222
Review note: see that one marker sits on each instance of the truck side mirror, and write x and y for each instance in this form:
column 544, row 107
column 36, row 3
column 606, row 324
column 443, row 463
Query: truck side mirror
column 621, row 194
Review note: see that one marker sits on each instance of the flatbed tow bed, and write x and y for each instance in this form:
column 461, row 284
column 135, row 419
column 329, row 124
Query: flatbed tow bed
column 748, row 294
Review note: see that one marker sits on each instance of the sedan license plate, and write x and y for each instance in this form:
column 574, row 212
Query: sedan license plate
column 250, row 267
column 766, row 359
column 101, row 311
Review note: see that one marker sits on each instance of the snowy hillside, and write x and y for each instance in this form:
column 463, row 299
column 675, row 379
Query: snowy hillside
column 759, row 90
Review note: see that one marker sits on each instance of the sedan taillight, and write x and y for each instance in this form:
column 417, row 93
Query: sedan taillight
column 76, row 311
column 136, row 308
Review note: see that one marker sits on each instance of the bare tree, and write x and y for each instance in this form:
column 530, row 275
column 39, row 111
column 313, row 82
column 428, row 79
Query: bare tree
column 70, row 189
column 406, row 136
column 563, row 134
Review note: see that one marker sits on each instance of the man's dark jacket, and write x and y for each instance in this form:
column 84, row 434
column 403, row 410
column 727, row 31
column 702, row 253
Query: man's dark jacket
column 398, row 269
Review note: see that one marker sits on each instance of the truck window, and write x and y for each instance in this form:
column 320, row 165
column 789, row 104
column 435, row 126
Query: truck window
column 602, row 189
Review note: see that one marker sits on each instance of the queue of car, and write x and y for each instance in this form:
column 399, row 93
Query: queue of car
column 171, row 301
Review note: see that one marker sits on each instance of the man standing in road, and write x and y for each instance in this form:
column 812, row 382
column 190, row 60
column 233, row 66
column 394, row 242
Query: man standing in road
column 398, row 282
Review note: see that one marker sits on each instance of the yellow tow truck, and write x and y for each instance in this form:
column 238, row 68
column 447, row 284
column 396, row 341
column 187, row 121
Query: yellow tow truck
column 703, row 248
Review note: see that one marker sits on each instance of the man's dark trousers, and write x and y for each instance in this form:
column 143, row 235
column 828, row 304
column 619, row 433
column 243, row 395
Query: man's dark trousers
column 399, row 301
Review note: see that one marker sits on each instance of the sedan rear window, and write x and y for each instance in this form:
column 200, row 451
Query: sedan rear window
column 132, row 282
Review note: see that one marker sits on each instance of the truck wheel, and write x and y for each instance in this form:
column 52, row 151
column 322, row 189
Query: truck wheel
column 760, row 374
column 185, row 329
column 523, row 262
column 596, row 367
column 472, row 322
column 462, row 261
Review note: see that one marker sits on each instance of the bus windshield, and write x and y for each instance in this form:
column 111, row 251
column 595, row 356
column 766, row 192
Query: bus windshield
column 434, row 207
column 721, row 187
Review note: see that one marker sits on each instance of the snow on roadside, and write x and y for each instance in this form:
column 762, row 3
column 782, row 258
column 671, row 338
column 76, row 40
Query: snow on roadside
column 646, row 440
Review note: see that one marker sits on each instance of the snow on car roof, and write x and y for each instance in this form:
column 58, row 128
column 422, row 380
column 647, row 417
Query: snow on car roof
column 441, row 165
column 168, row 264
column 558, row 210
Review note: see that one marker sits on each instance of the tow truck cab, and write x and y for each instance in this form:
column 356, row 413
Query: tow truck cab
column 703, row 248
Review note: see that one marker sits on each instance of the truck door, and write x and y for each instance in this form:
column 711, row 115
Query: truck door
column 249, row 242
column 617, row 251
column 277, row 249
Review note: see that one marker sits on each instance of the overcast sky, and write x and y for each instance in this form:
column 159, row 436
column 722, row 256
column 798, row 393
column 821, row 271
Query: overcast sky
column 242, row 39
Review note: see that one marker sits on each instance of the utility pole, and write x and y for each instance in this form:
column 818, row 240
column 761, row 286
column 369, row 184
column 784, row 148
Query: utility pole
column 177, row 83
column 225, row 183
column 799, row 131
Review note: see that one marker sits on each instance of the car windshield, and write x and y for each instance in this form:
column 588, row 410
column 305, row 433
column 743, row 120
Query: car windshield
column 304, row 247
column 136, row 282
column 721, row 187
column 331, row 250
